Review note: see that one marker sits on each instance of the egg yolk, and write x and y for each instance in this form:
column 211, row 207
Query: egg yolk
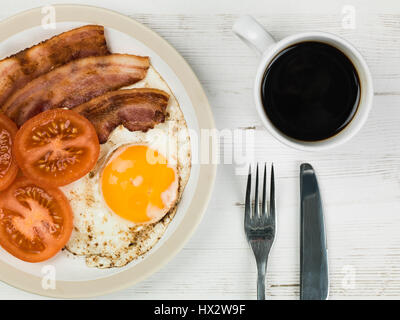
column 138, row 184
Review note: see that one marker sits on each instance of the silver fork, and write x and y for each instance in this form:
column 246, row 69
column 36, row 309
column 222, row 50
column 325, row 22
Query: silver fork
column 260, row 226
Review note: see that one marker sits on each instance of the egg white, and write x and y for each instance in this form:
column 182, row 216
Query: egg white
column 104, row 238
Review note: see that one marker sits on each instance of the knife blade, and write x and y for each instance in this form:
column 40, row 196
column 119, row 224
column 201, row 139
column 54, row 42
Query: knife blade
column 314, row 279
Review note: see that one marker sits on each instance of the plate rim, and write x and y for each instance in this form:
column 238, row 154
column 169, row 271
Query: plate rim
column 207, row 172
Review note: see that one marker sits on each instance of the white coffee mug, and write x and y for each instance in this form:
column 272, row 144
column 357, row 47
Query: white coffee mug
column 254, row 35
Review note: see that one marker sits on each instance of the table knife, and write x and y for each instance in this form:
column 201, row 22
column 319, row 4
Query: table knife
column 314, row 281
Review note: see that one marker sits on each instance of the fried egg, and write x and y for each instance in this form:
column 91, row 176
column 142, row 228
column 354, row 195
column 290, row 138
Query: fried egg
column 124, row 205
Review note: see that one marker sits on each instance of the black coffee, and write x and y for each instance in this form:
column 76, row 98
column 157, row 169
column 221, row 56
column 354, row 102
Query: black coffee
column 310, row 91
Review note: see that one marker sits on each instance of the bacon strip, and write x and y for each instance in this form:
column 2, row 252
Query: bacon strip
column 20, row 68
column 75, row 83
column 136, row 109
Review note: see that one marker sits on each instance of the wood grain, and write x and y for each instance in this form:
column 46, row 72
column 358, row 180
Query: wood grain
column 360, row 181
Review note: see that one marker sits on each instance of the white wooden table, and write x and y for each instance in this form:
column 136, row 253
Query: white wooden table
column 360, row 182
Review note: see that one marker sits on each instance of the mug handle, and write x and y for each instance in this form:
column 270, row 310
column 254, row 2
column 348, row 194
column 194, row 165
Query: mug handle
column 253, row 34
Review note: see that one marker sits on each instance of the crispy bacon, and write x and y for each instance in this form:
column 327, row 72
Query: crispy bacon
column 136, row 109
column 20, row 68
column 75, row 83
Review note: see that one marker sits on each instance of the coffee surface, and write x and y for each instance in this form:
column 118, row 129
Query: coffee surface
column 310, row 91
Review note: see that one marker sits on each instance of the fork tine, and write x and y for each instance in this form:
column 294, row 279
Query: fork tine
column 247, row 208
column 256, row 212
column 272, row 195
column 264, row 198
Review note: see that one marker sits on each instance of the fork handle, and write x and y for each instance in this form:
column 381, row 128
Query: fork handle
column 261, row 270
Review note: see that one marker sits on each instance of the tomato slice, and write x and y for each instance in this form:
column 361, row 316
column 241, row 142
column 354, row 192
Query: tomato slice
column 56, row 147
column 35, row 222
column 8, row 165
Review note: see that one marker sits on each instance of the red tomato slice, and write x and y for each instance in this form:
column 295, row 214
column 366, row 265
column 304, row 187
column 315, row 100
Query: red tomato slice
column 56, row 147
column 8, row 165
column 35, row 222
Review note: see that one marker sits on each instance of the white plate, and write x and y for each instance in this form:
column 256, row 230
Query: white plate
column 124, row 35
